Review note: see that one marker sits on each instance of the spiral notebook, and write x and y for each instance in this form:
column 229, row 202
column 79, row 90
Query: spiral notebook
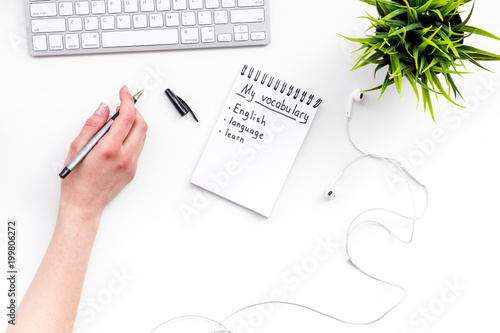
column 256, row 140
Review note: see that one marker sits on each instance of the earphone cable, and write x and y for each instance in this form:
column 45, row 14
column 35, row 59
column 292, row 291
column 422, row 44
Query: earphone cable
column 353, row 226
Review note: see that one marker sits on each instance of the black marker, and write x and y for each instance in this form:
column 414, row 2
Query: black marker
column 92, row 142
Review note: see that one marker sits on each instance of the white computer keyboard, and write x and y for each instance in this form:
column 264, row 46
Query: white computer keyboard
column 62, row 27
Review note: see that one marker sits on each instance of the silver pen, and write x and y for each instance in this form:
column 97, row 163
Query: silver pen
column 92, row 142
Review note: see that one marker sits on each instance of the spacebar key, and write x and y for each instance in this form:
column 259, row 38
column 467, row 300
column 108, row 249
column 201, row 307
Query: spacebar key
column 140, row 38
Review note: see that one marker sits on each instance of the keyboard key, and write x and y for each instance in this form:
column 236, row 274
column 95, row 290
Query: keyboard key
column 107, row 22
column 247, row 15
column 91, row 23
column 224, row 37
column 55, row 42
column 204, row 18
column 228, row 3
column 250, row 3
column 240, row 28
column 114, row 6
column 130, row 6
column 190, row 36
column 82, row 8
column 162, row 5
column 72, row 41
column 43, row 9
column 140, row 38
column 75, row 24
column 123, row 22
column 241, row 37
column 212, row 4
column 90, row 41
column 140, row 21
column 172, row 20
column 147, row 5
column 98, row 7
column 179, row 4
column 156, row 20
column 220, row 17
column 195, row 4
column 40, row 43
column 65, row 8
column 188, row 18
column 48, row 25
column 258, row 35
column 208, row 35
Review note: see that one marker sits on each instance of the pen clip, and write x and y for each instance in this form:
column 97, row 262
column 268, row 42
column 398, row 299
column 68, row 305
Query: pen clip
column 187, row 108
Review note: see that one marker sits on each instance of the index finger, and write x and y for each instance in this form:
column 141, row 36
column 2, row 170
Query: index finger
column 123, row 123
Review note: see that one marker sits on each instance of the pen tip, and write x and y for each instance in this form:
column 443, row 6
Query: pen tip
column 138, row 95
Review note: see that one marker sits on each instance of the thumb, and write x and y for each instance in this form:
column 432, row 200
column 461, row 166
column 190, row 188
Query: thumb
column 91, row 127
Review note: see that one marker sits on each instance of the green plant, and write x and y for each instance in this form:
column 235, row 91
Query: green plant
column 418, row 40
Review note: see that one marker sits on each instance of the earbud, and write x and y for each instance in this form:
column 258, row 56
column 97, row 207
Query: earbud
column 330, row 193
column 356, row 96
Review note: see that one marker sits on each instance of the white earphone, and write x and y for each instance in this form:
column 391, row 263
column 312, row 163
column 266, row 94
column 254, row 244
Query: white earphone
column 358, row 96
column 330, row 193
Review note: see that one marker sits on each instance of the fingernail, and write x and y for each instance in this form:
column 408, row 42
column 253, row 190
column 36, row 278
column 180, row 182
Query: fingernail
column 126, row 89
column 102, row 108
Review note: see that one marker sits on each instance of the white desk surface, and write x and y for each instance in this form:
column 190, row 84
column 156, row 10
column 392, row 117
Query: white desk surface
column 227, row 257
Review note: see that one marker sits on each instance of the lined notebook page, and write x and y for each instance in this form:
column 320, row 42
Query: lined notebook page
column 256, row 140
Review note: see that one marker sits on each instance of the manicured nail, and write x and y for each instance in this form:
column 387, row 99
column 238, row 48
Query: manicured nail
column 126, row 89
column 102, row 108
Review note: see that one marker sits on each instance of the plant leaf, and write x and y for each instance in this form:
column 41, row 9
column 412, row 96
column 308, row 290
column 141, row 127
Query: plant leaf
column 426, row 97
column 478, row 31
column 396, row 74
column 464, row 55
column 464, row 23
column 387, row 82
column 472, row 50
column 407, row 28
column 413, row 83
column 438, row 84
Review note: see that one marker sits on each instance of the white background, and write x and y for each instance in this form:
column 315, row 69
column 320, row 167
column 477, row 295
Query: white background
column 227, row 257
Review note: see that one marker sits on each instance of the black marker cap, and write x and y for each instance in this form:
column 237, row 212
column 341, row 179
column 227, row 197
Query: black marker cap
column 179, row 104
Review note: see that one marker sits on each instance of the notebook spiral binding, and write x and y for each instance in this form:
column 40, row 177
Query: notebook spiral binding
column 277, row 85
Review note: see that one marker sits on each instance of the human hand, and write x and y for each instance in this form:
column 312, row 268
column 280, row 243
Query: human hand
column 111, row 165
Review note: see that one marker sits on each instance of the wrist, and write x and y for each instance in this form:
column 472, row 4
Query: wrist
column 80, row 218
